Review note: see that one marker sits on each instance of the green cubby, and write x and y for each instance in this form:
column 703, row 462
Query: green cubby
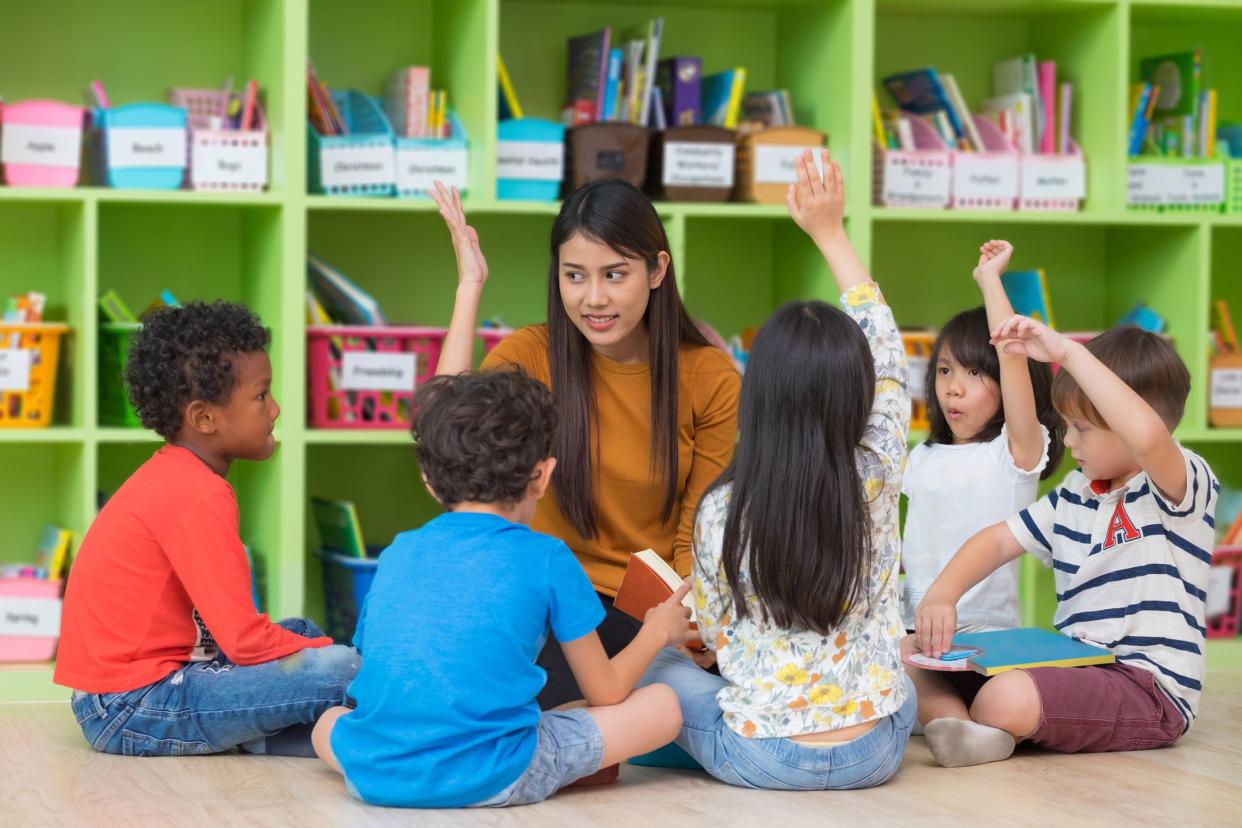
column 735, row 262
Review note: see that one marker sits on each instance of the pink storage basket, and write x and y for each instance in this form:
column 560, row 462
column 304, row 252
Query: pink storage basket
column 41, row 143
column 1053, row 183
column 336, row 353
column 29, row 619
column 224, row 160
column 920, row 177
column 986, row 180
column 1226, row 624
column 492, row 337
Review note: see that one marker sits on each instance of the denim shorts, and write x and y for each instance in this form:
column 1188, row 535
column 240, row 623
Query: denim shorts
column 570, row 747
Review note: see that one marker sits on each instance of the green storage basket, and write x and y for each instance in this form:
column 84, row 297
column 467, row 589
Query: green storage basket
column 114, row 406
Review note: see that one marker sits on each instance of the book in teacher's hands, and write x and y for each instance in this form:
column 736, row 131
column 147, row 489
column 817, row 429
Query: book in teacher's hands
column 648, row 581
column 990, row 653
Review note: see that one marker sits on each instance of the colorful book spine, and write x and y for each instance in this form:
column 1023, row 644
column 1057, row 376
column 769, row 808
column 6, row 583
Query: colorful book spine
column 612, row 85
column 1065, row 105
column 407, row 97
column 1047, row 93
column 679, row 81
column 1138, row 120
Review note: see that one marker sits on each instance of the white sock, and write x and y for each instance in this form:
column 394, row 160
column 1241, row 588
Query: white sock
column 957, row 743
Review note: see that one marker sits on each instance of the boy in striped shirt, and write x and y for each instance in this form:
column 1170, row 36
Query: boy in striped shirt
column 1129, row 536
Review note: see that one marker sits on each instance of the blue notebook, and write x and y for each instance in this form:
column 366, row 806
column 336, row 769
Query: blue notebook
column 1001, row 650
column 1028, row 293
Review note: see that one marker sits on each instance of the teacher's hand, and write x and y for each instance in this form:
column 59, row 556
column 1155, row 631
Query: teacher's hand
column 471, row 266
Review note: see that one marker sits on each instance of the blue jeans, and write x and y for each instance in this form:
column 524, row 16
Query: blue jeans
column 212, row 706
column 570, row 747
column 781, row 764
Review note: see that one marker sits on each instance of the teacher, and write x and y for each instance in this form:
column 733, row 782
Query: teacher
column 647, row 407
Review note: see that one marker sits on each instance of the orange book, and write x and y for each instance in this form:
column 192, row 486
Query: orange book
column 648, row 581
column 1224, row 324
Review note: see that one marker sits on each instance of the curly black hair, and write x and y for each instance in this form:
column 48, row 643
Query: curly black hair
column 478, row 436
column 183, row 354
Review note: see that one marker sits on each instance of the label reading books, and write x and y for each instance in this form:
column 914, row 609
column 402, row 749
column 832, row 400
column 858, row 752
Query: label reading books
column 530, row 160
column 985, row 178
column 30, row 617
column 1145, row 185
column 418, row 168
column 695, row 164
column 779, row 164
column 236, row 161
column 1226, row 387
column 356, row 166
column 46, row 146
column 1053, row 178
column 14, row 370
column 130, row 147
column 366, row 371
column 1194, row 184
column 910, row 182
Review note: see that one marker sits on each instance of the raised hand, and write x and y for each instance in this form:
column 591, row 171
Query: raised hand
column 817, row 202
column 1034, row 339
column 994, row 257
column 471, row 266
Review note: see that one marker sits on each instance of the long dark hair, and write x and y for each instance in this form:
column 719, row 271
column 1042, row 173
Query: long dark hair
column 619, row 215
column 798, row 516
column 966, row 337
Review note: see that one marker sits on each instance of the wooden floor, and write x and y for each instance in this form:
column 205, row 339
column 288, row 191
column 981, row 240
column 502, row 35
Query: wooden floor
column 48, row 776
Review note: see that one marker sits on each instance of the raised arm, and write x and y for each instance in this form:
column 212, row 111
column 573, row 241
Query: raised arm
column 457, row 354
column 1026, row 437
column 817, row 205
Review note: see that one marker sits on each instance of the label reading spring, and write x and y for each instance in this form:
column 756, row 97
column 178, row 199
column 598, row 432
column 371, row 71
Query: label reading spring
column 30, row 617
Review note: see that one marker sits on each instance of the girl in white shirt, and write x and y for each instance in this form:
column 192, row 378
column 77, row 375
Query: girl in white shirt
column 994, row 435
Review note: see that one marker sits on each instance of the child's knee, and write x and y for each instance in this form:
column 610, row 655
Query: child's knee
column 665, row 707
column 321, row 736
column 1010, row 702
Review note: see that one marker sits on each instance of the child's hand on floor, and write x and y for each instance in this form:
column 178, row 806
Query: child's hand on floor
column 471, row 266
column 993, row 259
column 817, row 203
column 935, row 622
column 1033, row 339
column 671, row 618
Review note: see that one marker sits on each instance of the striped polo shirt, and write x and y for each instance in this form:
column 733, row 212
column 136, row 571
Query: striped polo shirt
column 1131, row 570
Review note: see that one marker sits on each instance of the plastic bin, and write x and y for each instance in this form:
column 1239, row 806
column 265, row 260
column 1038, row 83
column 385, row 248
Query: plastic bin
column 607, row 150
column 346, row 582
column 360, row 163
column 139, row 146
column 29, row 357
column 986, row 180
column 1053, row 183
column 530, row 159
column 363, row 377
column 114, row 405
column 29, row 619
column 228, row 160
column 420, row 162
column 41, row 143
column 921, row 177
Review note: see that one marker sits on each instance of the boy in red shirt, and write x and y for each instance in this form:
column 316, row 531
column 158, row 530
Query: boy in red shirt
column 160, row 639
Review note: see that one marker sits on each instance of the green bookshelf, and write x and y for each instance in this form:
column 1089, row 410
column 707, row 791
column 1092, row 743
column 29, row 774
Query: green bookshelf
column 736, row 262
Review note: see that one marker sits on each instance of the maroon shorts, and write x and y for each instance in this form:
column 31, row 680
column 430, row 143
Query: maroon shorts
column 1095, row 709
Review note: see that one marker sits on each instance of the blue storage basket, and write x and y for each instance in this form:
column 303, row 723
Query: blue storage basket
column 137, row 116
column 531, row 130
column 346, row 582
column 457, row 140
column 368, row 128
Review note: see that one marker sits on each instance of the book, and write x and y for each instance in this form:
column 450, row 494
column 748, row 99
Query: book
column 587, row 70
column 1222, row 321
column 344, row 300
column 612, row 84
column 1028, row 293
column 1047, row 99
column 922, row 92
column 1064, row 107
column 112, row 308
column 1019, row 112
column 648, row 581
column 164, row 300
column 1016, row 76
column 406, row 100
column 877, row 123
column 507, row 101
column 652, row 34
column 53, row 551
column 1141, row 97
column 1178, row 75
column 679, row 81
column 991, row 653
column 339, row 527
column 722, row 97
column 957, row 105
column 659, row 121
column 768, row 109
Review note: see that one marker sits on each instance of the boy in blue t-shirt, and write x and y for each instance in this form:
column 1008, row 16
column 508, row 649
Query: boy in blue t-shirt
column 446, row 713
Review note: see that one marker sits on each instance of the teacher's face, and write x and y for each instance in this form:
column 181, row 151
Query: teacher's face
column 606, row 294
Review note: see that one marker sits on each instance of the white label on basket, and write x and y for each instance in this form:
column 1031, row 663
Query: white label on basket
column 354, row 166
column 15, row 370
column 217, row 161
column 917, row 367
column 1194, row 184
column 1145, row 186
column 779, row 164
column 367, row 371
column 530, row 160
column 418, row 168
column 146, row 147
column 983, row 177
column 46, row 146
column 1053, row 178
column 30, row 617
column 914, row 182
column 1226, row 387
column 1220, row 584
column 698, row 164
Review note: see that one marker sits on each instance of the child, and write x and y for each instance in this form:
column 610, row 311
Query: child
column 994, row 434
column 1129, row 535
column 160, row 638
column 796, row 547
column 446, row 712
